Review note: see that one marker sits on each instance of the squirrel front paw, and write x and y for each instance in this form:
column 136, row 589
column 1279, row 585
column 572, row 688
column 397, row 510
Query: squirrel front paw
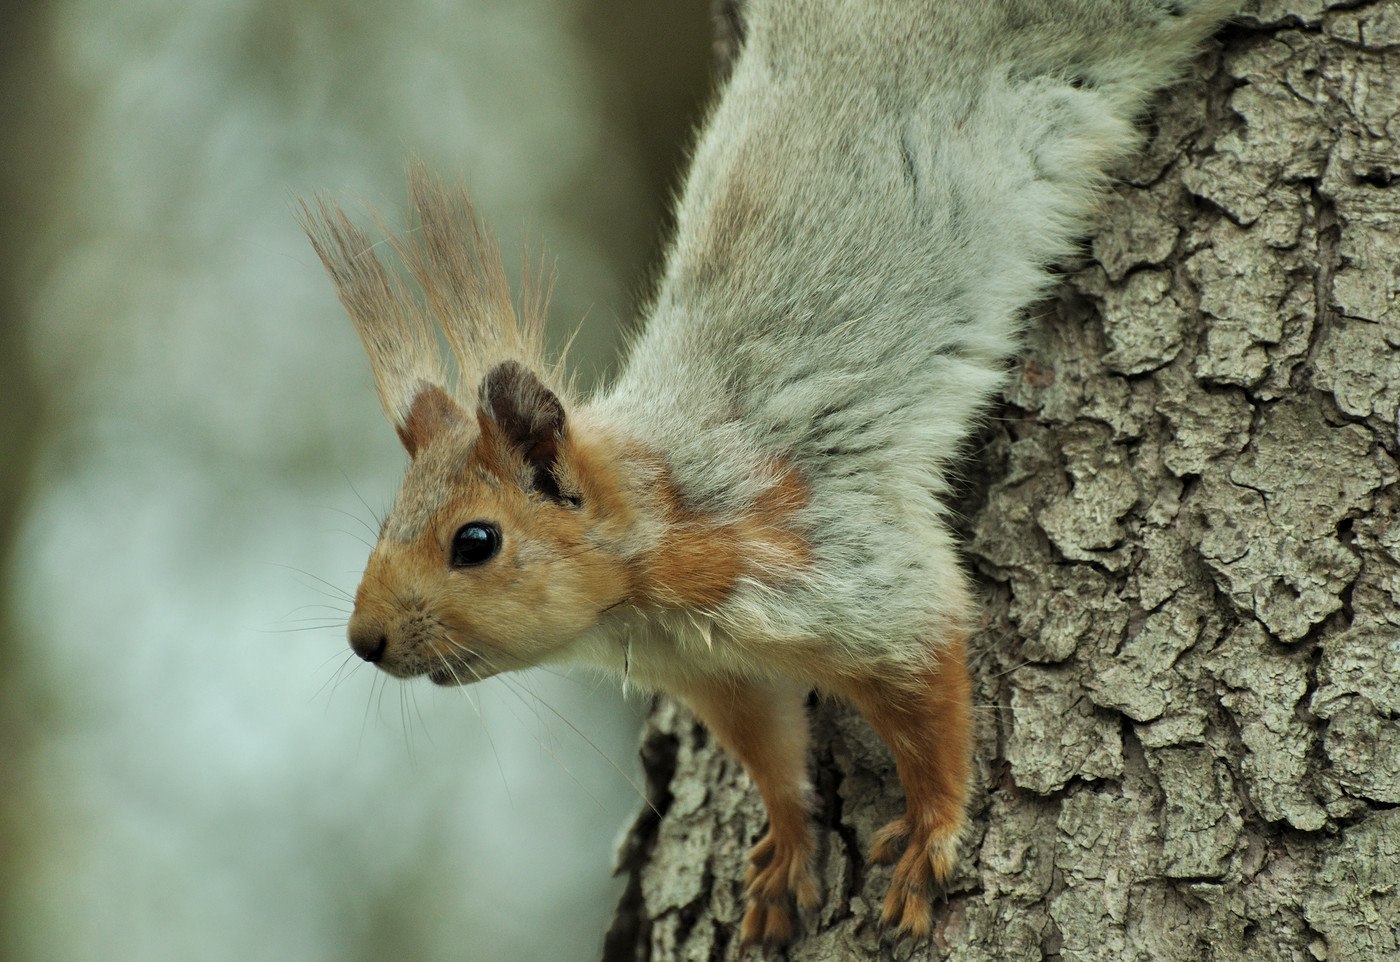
column 930, row 855
column 780, row 877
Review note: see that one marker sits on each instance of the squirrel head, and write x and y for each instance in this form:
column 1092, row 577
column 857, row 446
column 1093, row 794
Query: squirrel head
column 493, row 556
column 519, row 522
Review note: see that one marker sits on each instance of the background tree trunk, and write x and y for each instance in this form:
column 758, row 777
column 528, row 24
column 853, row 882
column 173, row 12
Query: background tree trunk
column 1186, row 523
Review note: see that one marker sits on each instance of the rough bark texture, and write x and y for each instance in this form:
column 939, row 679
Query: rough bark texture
column 1187, row 527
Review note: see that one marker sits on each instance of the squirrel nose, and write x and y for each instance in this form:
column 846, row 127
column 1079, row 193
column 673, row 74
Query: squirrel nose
column 368, row 643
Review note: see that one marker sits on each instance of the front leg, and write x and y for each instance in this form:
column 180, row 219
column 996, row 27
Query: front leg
column 927, row 722
column 764, row 725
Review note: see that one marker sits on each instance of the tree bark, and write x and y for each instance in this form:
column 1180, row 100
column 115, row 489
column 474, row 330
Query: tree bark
column 1186, row 526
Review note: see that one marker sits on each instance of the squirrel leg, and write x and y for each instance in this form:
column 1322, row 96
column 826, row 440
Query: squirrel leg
column 928, row 728
column 765, row 727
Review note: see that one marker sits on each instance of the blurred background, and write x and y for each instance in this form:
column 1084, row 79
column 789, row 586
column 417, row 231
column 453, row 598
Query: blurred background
column 193, row 767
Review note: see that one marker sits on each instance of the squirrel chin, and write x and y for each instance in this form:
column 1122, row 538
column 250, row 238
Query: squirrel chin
column 447, row 678
column 452, row 678
column 466, row 669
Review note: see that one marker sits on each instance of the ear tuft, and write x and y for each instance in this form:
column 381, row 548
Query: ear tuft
column 430, row 414
column 529, row 417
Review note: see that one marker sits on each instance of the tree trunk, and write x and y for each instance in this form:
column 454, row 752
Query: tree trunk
column 1186, row 525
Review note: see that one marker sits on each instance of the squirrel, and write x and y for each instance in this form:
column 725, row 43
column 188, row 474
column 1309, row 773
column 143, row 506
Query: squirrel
column 757, row 506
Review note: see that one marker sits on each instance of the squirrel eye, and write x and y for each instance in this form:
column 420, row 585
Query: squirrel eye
column 474, row 543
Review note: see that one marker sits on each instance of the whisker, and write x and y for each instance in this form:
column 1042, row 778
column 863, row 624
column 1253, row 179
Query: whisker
column 351, row 534
column 1011, row 669
column 413, row 698
column 340, row 592
column 345, row 659
column 407, row 727
column 375, row 679
column 287, row 631
column 379, row 704
column 379, row 521
column 507, row 683
column 340, row 674
column 481, row 716
column 511, row 684
column 334, row 618
column 341, row 618
column 352, row 515
column 336, row 608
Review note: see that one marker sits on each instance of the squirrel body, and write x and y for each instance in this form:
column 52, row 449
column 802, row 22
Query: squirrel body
column 757, row 506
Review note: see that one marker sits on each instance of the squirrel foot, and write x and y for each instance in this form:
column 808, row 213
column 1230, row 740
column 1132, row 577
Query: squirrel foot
column 930, row 855
column 780, row 876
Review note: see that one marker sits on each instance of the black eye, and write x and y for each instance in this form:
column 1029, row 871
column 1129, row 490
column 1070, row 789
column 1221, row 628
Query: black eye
column 474, row 543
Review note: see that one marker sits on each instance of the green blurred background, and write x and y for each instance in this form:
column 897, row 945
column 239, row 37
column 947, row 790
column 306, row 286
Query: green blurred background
column 193, row 769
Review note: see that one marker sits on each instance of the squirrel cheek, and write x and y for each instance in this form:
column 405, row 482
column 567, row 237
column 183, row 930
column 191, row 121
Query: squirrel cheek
column 601, row 586
column 571, row 602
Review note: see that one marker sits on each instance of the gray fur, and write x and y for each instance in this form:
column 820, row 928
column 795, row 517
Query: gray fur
column 871, row 208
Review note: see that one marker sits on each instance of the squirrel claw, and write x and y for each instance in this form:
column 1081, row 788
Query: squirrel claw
column 928, row 861
column 779, row 877
column 768, row 924
column 888, row 841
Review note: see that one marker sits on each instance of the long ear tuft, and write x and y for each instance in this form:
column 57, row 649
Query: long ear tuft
column 458, row 266
column 458, row 284
column 400, row 343
column 529, row 418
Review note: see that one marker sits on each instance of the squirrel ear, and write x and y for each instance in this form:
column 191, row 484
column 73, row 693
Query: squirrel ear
column 529, row 417
column 431, row 412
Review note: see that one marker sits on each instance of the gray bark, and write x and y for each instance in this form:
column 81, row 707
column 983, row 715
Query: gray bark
column 1186, row 524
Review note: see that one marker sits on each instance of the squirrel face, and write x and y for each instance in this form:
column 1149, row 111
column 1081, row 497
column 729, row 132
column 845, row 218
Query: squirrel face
column 562, row 499
column 493, row 557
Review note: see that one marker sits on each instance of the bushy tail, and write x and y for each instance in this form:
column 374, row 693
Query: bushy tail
column 1054, row 111
column 1128, row 48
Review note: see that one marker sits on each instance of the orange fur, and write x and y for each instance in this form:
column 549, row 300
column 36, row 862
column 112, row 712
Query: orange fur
column 926, row 721
column 596, row 465
column 765, row 727
column 494, row 453
column 548, row 582
column 929, row 730
column 554, row 569
column 700, row 562
column 554, row 573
